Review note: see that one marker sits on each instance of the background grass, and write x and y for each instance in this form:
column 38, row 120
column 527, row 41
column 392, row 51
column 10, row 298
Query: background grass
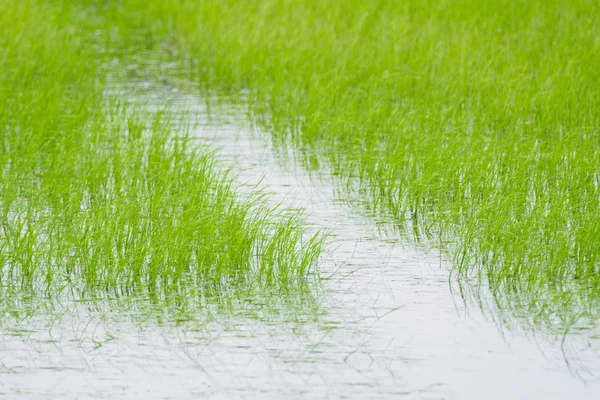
column 473, row 121
column 99, row 199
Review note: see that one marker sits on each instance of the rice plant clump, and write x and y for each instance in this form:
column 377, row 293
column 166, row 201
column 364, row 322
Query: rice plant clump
column 100, row 200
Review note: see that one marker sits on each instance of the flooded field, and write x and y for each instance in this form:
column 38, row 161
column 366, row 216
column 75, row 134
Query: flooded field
column 302, row 199
column 388, row 324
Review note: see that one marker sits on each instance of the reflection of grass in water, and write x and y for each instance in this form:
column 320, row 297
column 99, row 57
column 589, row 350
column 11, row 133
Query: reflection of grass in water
column 473, row 119
column 95, row 203
column 192, row 309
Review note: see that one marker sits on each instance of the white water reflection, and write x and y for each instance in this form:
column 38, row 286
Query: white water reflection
column 392, row 329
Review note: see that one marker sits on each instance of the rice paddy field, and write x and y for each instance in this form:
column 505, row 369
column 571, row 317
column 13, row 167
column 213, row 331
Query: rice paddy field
column 314, row 199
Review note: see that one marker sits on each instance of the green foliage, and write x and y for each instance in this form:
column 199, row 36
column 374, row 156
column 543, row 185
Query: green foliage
column 98, row 199
column 472, row 120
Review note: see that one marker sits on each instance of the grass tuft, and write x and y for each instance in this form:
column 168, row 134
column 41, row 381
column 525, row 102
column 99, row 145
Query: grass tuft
column 102, row 200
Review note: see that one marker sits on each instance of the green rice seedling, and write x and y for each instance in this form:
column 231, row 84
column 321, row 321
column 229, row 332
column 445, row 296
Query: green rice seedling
column 472, row 120
column 99, row 200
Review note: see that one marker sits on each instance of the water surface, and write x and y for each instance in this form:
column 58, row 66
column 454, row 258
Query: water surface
column 389, row 324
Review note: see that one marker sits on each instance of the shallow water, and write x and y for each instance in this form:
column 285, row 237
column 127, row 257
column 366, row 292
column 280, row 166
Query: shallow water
column 393, row 325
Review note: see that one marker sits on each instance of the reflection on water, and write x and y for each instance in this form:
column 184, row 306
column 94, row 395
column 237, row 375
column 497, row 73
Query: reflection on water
column 390, row 325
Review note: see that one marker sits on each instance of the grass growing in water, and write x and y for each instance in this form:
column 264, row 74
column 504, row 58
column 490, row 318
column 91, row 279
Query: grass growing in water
column 93, row 201
column 475, row 120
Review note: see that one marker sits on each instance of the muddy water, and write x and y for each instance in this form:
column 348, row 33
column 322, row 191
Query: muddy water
column 393, row 326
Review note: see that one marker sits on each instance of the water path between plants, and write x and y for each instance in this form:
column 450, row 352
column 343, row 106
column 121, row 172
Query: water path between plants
column 390, row 324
